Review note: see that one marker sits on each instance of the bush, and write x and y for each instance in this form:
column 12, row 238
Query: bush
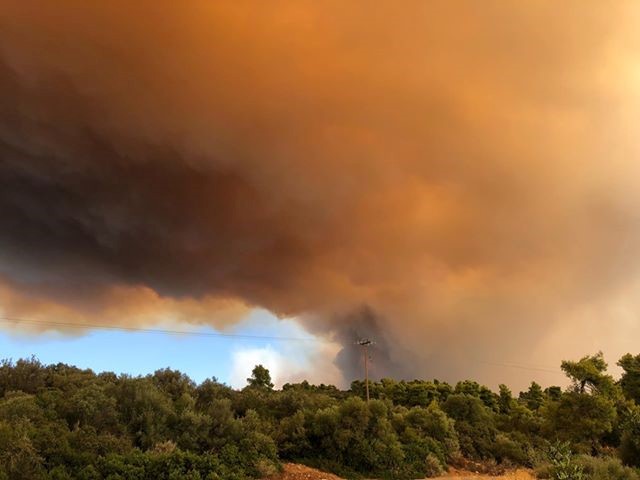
column 433, row 467
column 563, row 464
column 59, row 422
column 605, row 468
column 507, row 450
column 474, row 424
column 168, row 466
column 630, row 441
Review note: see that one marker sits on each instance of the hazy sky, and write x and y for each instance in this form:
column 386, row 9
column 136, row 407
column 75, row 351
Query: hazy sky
column 290, row 355
column 457, row 180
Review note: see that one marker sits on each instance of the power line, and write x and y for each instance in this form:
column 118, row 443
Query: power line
column 522, row 367
column 90, row 326
column 364, row 343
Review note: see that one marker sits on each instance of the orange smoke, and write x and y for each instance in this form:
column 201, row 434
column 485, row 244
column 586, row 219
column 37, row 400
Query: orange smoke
column 466, row 172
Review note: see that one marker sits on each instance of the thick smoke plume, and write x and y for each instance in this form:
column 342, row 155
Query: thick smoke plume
column 465, row 171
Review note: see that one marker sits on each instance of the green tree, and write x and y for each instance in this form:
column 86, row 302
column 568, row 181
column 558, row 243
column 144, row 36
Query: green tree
column 588, row 373
column 292, row 436
column 505, row 399
column 474, row 423
column 534, row 397
column 173, row 383
column 553, row 393
column 260, row 378
column 91, row 405
column 61, row 422
column 146, row 410
column 630, row 380
column 583, row 419
column 425, row 431
column 19, row 458
column 630, row 441
column 474, row 389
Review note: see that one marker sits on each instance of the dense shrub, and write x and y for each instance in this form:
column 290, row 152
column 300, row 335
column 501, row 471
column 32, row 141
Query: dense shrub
column 630, row 439
column 60, row 422
column 605, row 468
column 475, row 424
column 433, row 467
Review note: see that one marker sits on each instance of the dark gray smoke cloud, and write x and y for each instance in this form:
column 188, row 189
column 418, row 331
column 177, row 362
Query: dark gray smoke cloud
column 82, row 208
column 386, row 358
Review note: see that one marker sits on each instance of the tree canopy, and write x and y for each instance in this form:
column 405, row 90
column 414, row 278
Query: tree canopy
column 61, row 422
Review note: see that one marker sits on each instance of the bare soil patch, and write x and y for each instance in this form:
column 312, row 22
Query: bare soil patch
column 464, row 475
column 294, row 471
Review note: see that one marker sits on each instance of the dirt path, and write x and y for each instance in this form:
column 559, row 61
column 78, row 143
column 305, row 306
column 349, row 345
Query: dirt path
column 293, row 471
column 517, row 475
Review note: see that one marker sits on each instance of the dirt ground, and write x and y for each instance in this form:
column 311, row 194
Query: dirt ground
column 300, row 472
column 516, row 475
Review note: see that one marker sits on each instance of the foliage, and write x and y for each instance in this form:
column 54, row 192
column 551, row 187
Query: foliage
column 534, row 397
column 474, row 423
column 260, row 378
column 61, row 422
column 588, row 373
column 630, row 381
column 630, row 440
column 605, row 468
column 563, row 463
column 582, row 419
column 433, row 467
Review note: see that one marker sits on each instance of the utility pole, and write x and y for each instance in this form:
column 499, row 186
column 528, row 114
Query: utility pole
column 365, row 350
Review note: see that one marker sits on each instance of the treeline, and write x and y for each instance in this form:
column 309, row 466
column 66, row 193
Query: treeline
column 61, row 422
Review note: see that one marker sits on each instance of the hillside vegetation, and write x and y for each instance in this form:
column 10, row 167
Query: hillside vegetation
column 61, row 422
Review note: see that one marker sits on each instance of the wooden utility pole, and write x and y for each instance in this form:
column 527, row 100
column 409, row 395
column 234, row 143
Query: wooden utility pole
column 365, row 350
